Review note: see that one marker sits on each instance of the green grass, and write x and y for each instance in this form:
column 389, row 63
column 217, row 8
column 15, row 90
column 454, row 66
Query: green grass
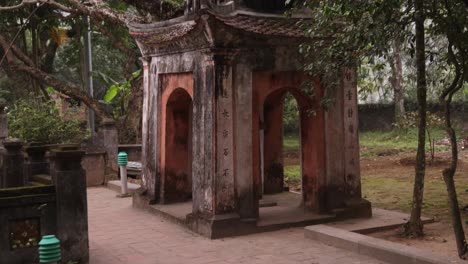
column 396, row 194
column 291, row 142
column 382, row 143
column 391, row 187
column 292, row 173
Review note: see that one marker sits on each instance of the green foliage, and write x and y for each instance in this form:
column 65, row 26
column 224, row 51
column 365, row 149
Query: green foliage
column 290, row 115
column 345, row 32
column 33, row 120
column 411, row 119
column 384, row 143
column 292, row 173
column 119, row 92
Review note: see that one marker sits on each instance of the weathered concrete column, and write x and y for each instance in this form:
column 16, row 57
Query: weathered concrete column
column 71, row 199
column 358, row 206
column 110, row 141
column 245, row 182
column 342, row 148
column 224, row 126
column 12, row 161
column 351, row 134
column 150, row 118
column 3, row 123
column 273, row 181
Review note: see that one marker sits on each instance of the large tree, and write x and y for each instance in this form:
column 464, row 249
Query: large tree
column 41, row 42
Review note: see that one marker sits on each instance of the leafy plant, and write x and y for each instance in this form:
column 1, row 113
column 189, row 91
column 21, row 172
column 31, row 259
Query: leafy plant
column 291, row 115
column 119, row 92
column 36, row 121
column 411, row 119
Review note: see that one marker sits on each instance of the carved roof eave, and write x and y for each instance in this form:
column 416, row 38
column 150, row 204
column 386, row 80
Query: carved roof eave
column 172, row 34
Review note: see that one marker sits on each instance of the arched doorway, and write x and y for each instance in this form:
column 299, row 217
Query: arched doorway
column 177, row 170
column 292, row 144
column 276, row 111
column 278, row 204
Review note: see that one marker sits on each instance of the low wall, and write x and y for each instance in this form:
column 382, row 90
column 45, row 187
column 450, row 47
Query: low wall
column 382, row 116
column 26, row 214
column 94, row 163
column 133, row 151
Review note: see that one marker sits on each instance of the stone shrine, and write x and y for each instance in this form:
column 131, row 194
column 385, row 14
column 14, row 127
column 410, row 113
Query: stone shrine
column 212, row 152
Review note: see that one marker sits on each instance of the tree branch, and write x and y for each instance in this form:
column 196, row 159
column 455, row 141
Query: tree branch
column 66, row 88
column 32, row 2
column 18, row 6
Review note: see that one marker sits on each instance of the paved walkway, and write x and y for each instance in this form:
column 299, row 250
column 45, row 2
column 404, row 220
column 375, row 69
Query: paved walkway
column 120, row 234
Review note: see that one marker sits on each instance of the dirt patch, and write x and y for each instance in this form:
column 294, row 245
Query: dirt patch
column 291, row 157
column 294, row 186
column 441, row 160
column 388, row 181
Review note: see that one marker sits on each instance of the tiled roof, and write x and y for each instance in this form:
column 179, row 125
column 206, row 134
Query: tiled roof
column 266, row 25
column 271, row 26
column 164, row 34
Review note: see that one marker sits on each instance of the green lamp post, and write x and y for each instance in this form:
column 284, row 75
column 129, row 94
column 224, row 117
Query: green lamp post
column 49, row 249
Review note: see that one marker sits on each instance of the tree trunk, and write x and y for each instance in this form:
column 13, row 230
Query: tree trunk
column 448, row 175
column 414, row 226
column 397, row 80
column 445, row 100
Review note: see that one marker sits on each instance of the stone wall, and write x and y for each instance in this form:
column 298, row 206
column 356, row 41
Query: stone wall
column 133, row 151
column 26, row 214
column 29, row 212
column 381, row 116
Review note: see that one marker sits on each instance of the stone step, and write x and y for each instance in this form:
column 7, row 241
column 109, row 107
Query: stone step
column 42, row 178
column 380, row 249
column 117, row 186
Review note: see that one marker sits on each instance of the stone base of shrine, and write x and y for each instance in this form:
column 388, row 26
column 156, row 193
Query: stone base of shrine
column 276, row 211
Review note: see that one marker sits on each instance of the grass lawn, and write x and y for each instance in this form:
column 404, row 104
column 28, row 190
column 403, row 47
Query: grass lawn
column 378, row 143
column 392, row 188
column 386, row 182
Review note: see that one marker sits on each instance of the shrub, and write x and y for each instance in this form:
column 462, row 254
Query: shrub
column 34, row 120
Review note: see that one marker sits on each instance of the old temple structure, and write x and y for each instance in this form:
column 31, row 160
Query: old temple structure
column 214, row 83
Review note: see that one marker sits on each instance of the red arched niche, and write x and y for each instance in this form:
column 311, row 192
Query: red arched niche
column 269, row 90
column 176, row 138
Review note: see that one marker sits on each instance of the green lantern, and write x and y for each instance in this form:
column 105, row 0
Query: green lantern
column 49, row 249
column 122, row 159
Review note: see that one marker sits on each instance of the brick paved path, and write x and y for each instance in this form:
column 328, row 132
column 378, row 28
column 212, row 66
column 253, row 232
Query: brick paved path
column 120, row 234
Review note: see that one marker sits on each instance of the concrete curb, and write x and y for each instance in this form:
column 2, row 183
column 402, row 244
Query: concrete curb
column 117, row 186
column 373, row 247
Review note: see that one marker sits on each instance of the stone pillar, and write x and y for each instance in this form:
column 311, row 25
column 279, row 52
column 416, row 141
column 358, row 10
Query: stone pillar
column 3, row 123
column 216, row 212
column 358, row 207
column 149, row 128
column 245, row 183
column 12, row 159
column 351, row 134
column 35, row 161
column 110, row 141
column 202, row 141
column 343, row 166
column 71, row 204
column 273, row 181
column 224, row 135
